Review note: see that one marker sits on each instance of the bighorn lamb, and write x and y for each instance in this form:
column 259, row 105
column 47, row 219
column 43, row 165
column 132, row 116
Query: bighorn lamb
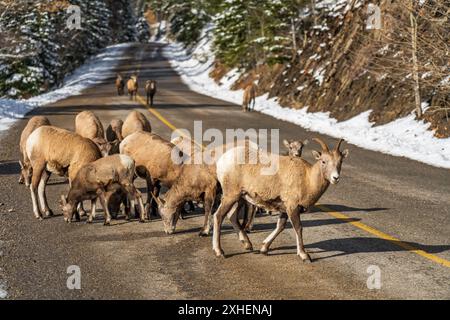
column 295, row 149
column 135, row 122
column 93, row 180
column 291, row 190
column 54, row 150
column 196, row 182
column 120, row 85
column 25, row 167
column 89, row 126
column 249, row 97
column 155, row 163
column 150, row 90
column 133, row 86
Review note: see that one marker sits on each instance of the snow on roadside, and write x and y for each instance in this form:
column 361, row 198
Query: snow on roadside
column 403, row 137
column 93, row 71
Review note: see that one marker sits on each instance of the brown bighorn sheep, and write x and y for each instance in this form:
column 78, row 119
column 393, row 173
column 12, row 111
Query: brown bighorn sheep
column 291, row 190
column 93, row 180
column 150, row 90
column 155, row 162
column 54, row 150
column 295, row 149
column 89, row 126
column 197, row 182
column 249, row 97
column 135, row 122
column 114, row 131
column 25, row 167
column 120, row 85
column 114, row 135
column 133, row 86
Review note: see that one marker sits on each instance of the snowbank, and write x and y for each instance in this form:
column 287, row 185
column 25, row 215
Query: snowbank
column 93, row 71
column 403, row 137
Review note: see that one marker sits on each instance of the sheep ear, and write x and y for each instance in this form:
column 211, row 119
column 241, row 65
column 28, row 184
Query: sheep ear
column 286, row 143
column 316, row 154
column 345, row 153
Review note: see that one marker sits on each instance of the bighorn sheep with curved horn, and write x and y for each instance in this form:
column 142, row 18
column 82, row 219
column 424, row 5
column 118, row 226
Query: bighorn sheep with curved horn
column 299, row 185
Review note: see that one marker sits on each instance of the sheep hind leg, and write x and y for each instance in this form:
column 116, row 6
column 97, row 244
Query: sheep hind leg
column 208, row 205
column 227, row 204
column 42, row 195
column 35, row 180
column 281, row 224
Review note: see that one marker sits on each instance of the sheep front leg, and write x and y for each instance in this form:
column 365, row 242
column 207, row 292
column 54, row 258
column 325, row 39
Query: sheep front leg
column 93, row 210
column 243, row 237
column 136, row 196
column 294, row 216
column 104, row 203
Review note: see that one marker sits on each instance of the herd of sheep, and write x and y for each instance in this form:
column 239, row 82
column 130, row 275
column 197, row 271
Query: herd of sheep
column 103, row 165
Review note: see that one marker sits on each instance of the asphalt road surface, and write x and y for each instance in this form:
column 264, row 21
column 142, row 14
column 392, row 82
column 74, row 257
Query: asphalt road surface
column 390, row 217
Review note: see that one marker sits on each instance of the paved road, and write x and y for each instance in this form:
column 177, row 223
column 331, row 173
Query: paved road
column 379, row 197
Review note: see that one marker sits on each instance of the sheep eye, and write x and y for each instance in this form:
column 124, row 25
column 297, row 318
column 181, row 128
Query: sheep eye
column 323, row 162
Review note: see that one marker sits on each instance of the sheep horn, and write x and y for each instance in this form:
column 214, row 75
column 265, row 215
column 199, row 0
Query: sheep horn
column 339, row 144
column 322, row 144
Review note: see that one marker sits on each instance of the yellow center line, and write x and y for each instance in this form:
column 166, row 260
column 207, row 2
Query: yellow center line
column 382, row 235
column 335, row 214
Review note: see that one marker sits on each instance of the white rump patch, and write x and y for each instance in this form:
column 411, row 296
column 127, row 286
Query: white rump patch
column 33, row 141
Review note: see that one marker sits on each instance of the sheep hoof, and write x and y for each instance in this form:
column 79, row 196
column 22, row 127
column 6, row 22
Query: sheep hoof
column 248, row 246
column 220, row 253
column 49, row 213
column 107, row 223
column 203, row 233
column 306, row 258
column 40, row 218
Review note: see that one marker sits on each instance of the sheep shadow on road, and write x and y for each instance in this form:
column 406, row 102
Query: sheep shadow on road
column 347, row 246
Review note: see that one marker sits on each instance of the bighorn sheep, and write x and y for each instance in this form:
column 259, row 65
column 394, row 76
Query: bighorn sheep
column 291, row 190
column 114, row 130
column 93, row 180
column 135, row 122
column 89, row 126
column 155, row 163
column 295, row 149
column 54, row 150
column 133, row 86
column 196, row 182
column 114, row 135
column 150, row 90
column 25, row 167
column 120, row 85
column 249, row 97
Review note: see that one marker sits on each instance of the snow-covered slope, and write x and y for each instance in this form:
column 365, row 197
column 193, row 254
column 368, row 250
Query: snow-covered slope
column 403, row 137
column 94, row 71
